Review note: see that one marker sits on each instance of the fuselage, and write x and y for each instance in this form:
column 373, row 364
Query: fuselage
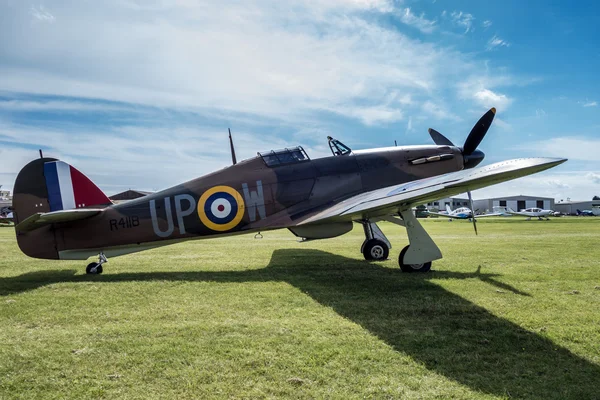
column 462, row 213
column 535, row 212
column 254, row 195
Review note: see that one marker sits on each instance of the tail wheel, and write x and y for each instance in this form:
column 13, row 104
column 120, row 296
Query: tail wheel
column 375, row 250
column 412, row 267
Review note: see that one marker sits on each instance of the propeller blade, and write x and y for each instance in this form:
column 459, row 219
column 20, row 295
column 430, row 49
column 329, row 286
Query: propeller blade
column 439, row 139
column 472, row 212
column 478, row 132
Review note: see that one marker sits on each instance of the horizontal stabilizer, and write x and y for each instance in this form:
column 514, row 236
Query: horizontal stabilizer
column 39, row 220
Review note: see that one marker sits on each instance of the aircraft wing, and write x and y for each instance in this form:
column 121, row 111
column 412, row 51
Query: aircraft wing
column 488, row 215
column 39, row 220
column 511, row 212
column 390, row 200
column 443, row 215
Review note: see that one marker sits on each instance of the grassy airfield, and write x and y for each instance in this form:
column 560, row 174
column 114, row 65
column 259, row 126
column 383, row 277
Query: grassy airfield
column 511, row 313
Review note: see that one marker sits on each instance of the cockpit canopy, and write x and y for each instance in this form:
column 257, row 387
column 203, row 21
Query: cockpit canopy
column 533, row 210
column 462, row 210
column 285, row 156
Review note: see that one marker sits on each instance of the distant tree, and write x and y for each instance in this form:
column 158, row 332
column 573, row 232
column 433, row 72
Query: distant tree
column 596, row 198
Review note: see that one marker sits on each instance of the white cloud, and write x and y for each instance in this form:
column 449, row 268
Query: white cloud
column 370, row 115
column 419, row 22
column 590, row 104
column 557, row 184
column 462, row 19
column 554, row 183
column 60, row 105
column 496, row 42
column 136, row 157
column 274, row 60
column 486, row 24
column 501, row 123
column 488, row 99
column 482, row 91
column 438, row 111
column 285, row 62
column 571, row 147
column 594, row 177
column 41, row 14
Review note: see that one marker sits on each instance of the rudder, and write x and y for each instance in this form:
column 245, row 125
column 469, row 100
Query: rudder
column 45, row 185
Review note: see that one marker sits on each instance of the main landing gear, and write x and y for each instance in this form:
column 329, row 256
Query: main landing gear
column 416, row 257
column 95, row 268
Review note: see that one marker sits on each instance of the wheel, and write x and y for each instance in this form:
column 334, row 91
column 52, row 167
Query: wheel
column 412, row 267
column 375, row 250
column 93, row 268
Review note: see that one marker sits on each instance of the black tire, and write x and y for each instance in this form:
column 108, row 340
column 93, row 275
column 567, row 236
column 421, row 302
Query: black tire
column 412, row 267
column 375, row 250
column 90, row 269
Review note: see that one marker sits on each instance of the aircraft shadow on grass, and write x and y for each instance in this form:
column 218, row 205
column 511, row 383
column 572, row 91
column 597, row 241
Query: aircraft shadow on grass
column 443, row 331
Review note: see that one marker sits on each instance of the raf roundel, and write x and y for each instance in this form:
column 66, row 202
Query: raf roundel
column 221, row 208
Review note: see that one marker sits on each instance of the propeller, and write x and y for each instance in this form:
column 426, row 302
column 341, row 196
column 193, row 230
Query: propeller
column 471, row 155
column 472, row 211
column 478, row 132
column 439, row 139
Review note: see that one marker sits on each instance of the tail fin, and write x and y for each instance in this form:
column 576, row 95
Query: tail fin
column 46, row 185
column 448, row 209
column 68, row 188
column 578, row 212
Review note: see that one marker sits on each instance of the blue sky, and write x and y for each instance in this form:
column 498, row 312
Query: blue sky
column 139, row 94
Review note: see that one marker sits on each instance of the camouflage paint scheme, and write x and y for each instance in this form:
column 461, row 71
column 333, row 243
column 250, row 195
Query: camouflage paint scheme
column 266, row 197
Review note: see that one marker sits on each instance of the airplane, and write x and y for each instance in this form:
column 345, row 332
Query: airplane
column 460, row 213
column 585, row 213
column 5, row 211
column 532, row 212
column 61, row 214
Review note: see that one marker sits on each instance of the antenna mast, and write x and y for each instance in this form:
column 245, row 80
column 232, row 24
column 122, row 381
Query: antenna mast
column 233, row 159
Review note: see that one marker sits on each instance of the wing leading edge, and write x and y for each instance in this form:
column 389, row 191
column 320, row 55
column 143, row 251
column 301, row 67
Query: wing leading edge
column 389, row 200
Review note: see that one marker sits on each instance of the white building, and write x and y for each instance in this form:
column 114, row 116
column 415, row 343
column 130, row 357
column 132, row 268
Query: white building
column 516, row 203
column 571, row 207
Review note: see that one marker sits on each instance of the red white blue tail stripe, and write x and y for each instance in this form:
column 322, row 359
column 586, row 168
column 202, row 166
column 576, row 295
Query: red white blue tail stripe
column 68, row 188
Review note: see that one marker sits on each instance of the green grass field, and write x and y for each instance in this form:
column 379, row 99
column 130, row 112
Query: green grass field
column 511, row 313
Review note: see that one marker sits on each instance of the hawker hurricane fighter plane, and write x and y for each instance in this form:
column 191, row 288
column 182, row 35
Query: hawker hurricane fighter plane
column 60, row 214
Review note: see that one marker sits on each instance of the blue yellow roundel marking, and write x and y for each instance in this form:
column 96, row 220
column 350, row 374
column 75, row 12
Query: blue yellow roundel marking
column 221, row 208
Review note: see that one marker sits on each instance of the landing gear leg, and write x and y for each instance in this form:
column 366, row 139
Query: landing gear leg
column 96, row 267
column 422, row 250
column 376, row 246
